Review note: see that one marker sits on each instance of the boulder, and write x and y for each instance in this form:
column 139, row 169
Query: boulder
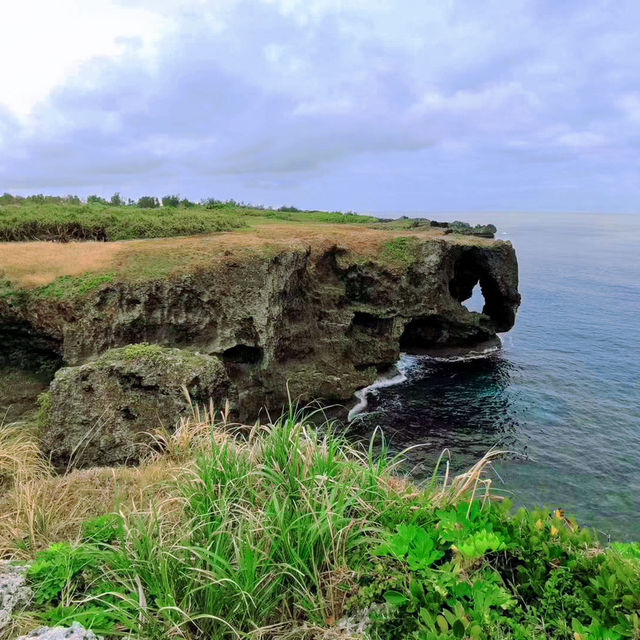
column 75, row 632
column 14, row 591
column 103, row 412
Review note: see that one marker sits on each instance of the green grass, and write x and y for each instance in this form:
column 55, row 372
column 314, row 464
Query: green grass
column 65, row 287
column 66, row 221
column 33, row 221
column 401, row 251
column 62, row 288
column 282, row 530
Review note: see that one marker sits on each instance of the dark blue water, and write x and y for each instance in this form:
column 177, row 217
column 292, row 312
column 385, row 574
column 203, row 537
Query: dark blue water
column 563, row 393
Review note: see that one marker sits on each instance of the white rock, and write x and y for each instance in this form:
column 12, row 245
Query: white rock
column 14, row 591
column 75, row 632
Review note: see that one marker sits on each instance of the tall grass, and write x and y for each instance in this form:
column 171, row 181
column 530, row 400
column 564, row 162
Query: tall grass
column 278, row 530
column 68, row 221
column 20, row 457
column 262, row 522
column 270, row 518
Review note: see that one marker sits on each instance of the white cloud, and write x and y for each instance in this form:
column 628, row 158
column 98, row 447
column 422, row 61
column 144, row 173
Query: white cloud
column 582, row 140
column 630, row 105
column 43, row 43
column 280, row 97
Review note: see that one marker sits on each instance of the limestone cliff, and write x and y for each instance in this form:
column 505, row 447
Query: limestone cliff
column 322, row 317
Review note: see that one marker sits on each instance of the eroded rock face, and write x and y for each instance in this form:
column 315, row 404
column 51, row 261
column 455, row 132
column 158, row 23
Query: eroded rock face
column 102, row 412
column 321, row 319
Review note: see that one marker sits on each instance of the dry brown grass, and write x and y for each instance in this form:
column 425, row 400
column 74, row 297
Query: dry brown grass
column 473, row 483
column 41, row 510
column 20, row 457
column 33, row 264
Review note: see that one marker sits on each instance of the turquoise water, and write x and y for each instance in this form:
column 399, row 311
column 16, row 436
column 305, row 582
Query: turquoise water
column 563, row 393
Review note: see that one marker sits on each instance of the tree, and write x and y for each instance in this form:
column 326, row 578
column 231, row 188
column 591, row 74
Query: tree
column 171, row 201
column 7, row 198
column 116, row 200
column 148, row 202
column 96, row 200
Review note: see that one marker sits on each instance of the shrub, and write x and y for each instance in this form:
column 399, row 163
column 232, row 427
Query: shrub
column 116, row 200
column 170, row 201
column 96, row 200
column 103, row 529
column 148, row 202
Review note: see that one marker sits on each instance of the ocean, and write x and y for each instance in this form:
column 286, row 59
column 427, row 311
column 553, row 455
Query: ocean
column 562, row 395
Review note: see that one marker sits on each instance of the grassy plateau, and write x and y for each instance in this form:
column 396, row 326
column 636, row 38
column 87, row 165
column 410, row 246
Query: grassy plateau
column 61, row 247
column 68, row 221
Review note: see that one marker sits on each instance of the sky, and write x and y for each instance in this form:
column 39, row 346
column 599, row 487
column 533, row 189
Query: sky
column 368, row 105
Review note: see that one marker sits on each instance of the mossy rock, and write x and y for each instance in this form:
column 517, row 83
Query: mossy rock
column 103, row 412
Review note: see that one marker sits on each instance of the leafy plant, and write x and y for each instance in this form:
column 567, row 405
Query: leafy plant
column 477, row 544
column 55, row 569
column 103, row 529
column 415, row 543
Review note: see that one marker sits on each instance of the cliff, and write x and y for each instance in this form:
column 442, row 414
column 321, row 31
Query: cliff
column 322, row 309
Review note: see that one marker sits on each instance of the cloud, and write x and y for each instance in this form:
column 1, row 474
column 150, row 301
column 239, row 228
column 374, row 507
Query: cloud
column 629, row 104
column 284, row 99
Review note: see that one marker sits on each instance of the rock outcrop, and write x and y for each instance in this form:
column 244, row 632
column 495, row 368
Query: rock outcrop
column 322, row 318
column 14, row 591
column 102, row 412
column 75, row 632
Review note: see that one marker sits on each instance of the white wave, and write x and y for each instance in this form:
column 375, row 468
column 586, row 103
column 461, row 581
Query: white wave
column 403, row 365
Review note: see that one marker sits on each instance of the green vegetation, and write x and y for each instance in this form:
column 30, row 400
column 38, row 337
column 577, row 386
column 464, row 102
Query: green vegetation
column 142, row 350
column 66, row 219
column 402, row 251
column 62, row 288
column 72, row 286
column 286, row 531
column 65, row 222
column 43, row 414
column 464, row 228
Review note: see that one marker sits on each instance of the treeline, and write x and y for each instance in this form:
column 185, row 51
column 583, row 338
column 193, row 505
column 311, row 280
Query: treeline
column 116, row 200
column 148, row 202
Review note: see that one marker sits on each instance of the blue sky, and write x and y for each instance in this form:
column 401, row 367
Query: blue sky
column 367, row 105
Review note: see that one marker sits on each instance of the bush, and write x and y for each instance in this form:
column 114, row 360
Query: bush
column 288, row 528
column 148, row 202
column 103, row 529
column 170, row 201
column 96, row 200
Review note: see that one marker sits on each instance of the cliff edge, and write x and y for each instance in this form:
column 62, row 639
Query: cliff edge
column 321, row 309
